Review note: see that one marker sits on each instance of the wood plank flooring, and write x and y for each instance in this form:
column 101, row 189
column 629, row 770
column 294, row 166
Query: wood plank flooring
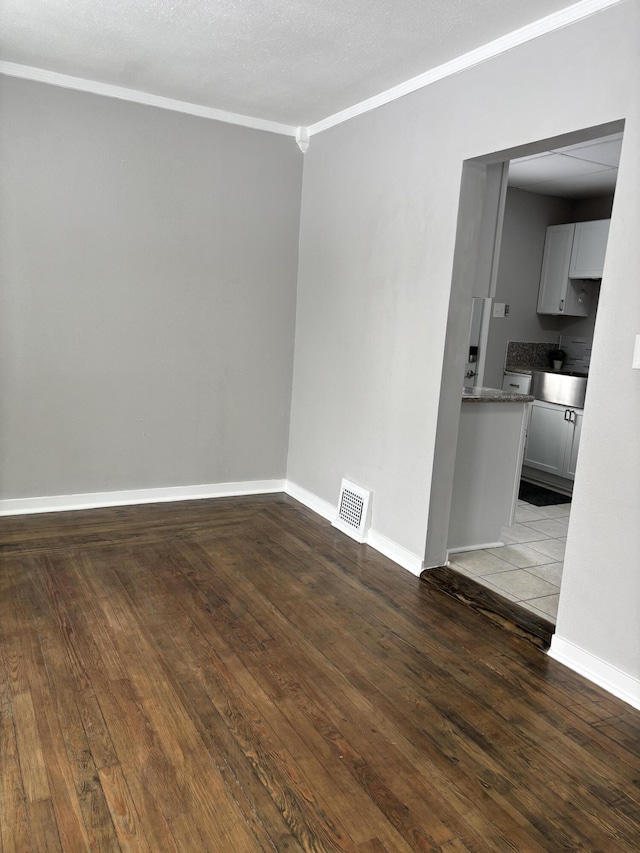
column 235, row 675
column 510, row 615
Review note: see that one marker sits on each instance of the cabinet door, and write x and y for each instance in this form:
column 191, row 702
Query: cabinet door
column 577, row 298
column 555, row 268
column 589, row 247
column 573, row 444
column 546, row 438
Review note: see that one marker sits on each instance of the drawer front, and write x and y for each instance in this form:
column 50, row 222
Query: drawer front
column 516, row 383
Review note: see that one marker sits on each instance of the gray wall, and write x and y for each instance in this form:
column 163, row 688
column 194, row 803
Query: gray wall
column 378, row 230
column 526, row 218
column 585, row 209
column 148, row 264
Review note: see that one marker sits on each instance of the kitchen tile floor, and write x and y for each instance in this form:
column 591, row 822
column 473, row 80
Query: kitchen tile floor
column 528, row 570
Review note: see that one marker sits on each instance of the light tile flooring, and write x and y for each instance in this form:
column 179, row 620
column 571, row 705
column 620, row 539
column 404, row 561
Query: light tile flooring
column 528, row 570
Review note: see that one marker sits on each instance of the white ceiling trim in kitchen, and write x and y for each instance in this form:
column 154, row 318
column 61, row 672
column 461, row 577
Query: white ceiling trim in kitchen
column 543, row 26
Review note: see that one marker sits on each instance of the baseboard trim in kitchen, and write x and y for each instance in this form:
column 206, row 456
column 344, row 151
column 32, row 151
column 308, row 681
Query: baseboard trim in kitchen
column 609, row 677
column 129, row 497
column 385, row 546
column 466, row 548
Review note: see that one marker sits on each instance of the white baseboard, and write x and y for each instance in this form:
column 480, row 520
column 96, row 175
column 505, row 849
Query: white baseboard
column 313, row 502
column 62, row 503
column 475, row 547
column 130, row 497
column 609, row 677
column 409, row 561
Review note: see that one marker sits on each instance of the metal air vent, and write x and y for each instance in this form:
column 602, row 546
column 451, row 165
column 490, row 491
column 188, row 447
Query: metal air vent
column 354, row 514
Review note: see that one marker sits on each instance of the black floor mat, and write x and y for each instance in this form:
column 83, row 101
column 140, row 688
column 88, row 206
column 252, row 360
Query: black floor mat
column 539, row 496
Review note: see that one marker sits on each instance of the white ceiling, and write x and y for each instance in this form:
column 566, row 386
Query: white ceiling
column 288, row 61
column 588, row 169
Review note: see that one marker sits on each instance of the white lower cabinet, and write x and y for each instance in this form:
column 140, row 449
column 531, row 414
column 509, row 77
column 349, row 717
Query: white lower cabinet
column 553, row 438
column 572, row 452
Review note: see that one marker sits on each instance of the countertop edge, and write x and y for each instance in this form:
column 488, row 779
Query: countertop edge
column 495, row 395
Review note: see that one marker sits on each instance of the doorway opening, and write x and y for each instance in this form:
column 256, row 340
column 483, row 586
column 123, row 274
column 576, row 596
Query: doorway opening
column 510, row 343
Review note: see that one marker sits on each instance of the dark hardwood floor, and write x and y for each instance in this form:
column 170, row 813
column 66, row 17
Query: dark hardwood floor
column 234, row 675
column 494, row 606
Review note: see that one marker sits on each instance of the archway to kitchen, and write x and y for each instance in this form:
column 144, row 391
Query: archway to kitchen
column 494, row 300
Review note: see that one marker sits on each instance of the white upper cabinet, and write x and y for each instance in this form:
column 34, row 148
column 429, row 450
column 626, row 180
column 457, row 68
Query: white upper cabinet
column 572, row 252
column 554, row 278
column 588, row 250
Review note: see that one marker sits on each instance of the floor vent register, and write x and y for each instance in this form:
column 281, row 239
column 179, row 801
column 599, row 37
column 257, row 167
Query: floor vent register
column 354, row 511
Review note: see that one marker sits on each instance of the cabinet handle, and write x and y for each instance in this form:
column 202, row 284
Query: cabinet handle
column 562, row 305
column 567, row 415
column 513, row 385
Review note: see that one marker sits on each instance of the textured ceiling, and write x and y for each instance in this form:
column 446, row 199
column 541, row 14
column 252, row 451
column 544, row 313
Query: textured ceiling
column 289, row 61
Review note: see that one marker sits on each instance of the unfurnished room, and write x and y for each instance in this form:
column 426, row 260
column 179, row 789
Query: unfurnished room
column 319, row 413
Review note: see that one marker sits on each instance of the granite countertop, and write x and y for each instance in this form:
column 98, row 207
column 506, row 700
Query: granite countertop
column 493, row 395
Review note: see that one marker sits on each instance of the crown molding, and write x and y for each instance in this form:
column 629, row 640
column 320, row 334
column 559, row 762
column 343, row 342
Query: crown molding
column 548, row 24
column 40, row 75
column 556, row 21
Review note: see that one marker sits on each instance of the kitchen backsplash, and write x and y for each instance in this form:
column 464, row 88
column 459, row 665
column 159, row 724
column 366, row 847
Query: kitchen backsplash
column 535, row 356
column 527, row 354
column 578, row 352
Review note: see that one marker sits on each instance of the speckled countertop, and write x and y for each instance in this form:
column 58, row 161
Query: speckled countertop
column 523, row 356
column 493, row 395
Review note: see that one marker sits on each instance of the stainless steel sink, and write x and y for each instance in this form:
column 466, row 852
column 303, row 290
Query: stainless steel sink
column 562, row 388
